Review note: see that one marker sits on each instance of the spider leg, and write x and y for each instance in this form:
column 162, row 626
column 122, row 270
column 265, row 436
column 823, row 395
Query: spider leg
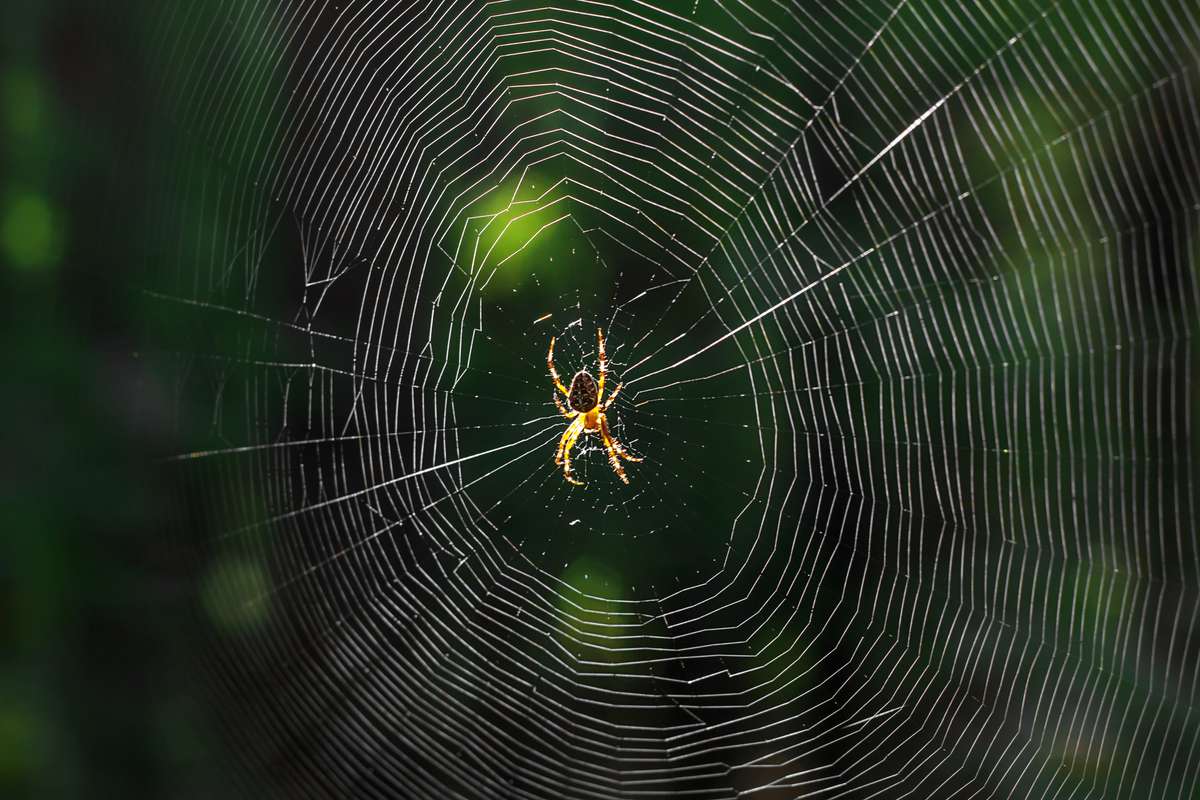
column 612, row 396
column 603, row 365
column 611, row 446
column 616, row 445
column 563, row 441
column 553, row 372
column 569, row 437
column 566, row 412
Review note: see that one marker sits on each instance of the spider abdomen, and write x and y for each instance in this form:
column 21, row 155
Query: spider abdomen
column 582, row 395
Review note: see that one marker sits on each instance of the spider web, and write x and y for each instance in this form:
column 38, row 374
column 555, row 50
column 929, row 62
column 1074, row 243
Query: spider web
column 901, row 296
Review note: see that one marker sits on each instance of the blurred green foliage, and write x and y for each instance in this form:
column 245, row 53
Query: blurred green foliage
column 96, row 678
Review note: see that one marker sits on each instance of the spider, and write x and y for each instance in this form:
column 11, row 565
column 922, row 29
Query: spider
column 587, row 414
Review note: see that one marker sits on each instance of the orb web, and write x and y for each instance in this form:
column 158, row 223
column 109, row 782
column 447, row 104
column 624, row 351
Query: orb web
column 901, row 296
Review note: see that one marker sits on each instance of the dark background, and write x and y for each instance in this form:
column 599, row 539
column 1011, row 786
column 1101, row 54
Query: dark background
column 97, row 691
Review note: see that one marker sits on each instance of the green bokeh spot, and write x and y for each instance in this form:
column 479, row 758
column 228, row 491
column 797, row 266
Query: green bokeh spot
column 24, row 104
column 19, row 737
column 235, row 595
column 594, row 577
column 30, row 233
column 583, row 621
column 515, row 228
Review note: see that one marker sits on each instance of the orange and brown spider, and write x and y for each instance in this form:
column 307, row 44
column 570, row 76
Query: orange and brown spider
column 587, row 407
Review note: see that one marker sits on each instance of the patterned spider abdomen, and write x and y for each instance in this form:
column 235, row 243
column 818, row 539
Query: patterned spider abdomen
column 582, row 395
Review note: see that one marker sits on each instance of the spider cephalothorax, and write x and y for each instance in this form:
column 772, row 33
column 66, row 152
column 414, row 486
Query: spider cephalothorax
column 587, row 407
